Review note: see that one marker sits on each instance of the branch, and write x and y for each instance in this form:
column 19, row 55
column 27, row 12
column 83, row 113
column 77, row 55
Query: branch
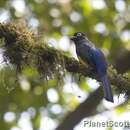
column 85, row 109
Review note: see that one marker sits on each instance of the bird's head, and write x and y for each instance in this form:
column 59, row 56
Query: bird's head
column 77, row 37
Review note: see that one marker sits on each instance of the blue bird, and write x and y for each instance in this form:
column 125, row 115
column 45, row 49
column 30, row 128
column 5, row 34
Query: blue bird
column 88, row 53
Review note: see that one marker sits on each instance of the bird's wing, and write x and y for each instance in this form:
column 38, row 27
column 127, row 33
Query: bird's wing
column 99, row 60
column 84, row 54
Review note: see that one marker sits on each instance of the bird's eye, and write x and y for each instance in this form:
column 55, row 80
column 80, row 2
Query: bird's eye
column 79, row 34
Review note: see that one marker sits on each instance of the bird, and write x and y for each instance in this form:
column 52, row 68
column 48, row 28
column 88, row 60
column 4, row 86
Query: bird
column 88, row 53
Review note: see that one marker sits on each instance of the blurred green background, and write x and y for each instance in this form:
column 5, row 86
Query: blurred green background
column 31, row 103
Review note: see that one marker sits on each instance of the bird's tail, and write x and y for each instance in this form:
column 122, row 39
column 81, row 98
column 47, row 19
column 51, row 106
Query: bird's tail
column 107, row 89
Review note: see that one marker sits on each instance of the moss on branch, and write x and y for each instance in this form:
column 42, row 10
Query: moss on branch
column 22, row 47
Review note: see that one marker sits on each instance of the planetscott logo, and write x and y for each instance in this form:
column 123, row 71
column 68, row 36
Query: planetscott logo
column 109, row 123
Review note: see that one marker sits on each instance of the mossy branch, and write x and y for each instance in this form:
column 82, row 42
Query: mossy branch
column 22, row 47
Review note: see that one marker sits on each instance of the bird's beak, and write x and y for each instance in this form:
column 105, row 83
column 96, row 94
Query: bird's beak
column 72, row 38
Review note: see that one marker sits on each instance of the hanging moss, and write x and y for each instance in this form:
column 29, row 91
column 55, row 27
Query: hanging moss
column 22, row 48
column 18, row 43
